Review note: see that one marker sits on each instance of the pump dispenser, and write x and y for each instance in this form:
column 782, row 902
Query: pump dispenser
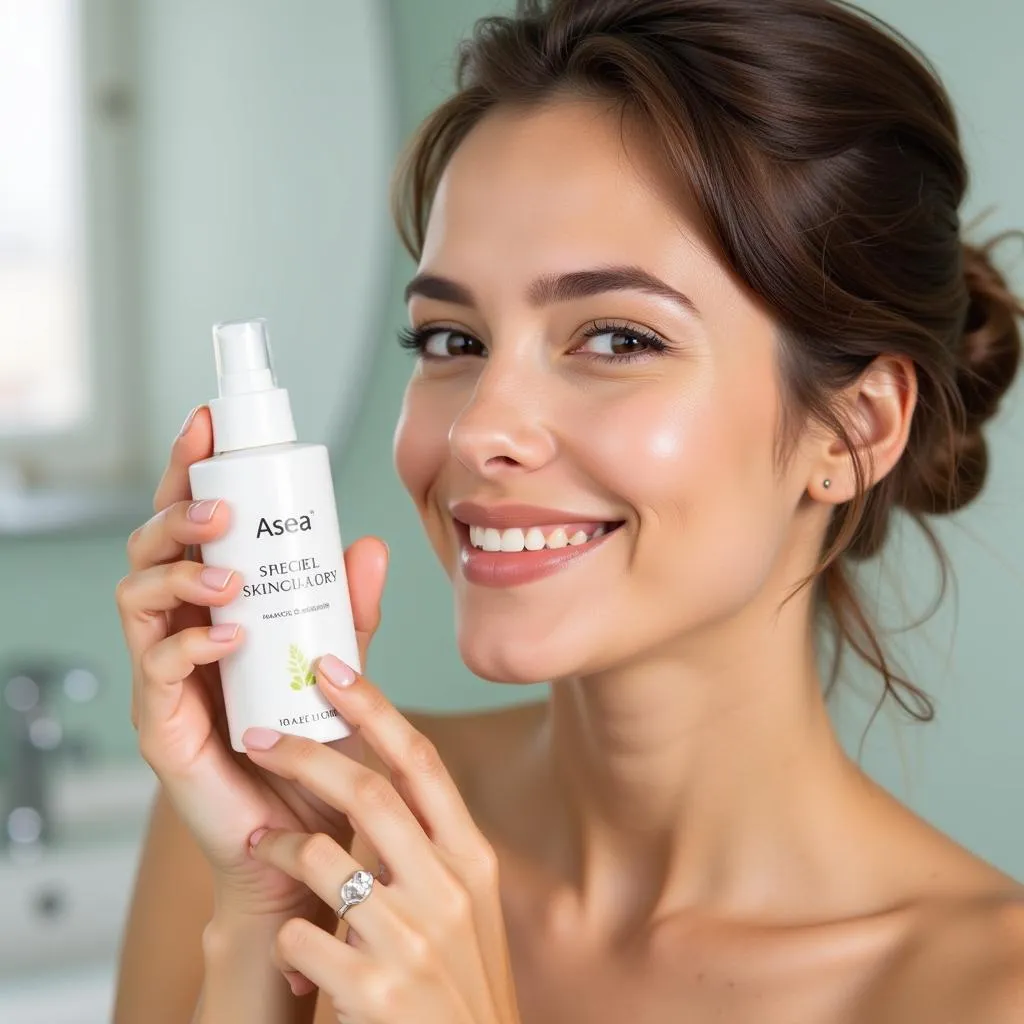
column 284, row 540
column 251, row 409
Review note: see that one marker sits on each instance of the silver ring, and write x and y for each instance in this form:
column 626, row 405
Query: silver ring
column 356, row 888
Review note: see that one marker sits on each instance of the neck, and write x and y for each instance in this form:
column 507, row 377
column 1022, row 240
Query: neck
column 709, row 777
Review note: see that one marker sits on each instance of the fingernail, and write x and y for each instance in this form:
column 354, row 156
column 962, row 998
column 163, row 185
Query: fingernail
column 216, row 579
column 223, row 632
column 202, row 511
column 298, row 983
column 336, row 671
column 258, row 738
column 188, row 422
column 257, row 836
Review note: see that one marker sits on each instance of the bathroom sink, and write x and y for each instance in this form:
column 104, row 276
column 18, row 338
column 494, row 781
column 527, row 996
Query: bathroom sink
column 63, row 905
column 74, row 996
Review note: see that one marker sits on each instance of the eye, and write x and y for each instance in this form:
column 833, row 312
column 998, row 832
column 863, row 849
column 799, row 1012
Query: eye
column 608, row 342
column 445, row 343
column 440, row 342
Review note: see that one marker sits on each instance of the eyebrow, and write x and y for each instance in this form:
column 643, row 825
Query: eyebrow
column 550, row 288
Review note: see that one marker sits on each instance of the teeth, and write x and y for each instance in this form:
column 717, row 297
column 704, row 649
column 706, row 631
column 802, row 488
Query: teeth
column 557, row 538
column 534, row 539
column 513, row 540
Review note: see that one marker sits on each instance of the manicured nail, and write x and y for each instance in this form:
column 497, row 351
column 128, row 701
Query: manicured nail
column 336, row 671
column 202, row 511
column 298, row 983
column 223, row 632
column 258, row 738
column 257, row 836
column 216, row 579
column 188, row 422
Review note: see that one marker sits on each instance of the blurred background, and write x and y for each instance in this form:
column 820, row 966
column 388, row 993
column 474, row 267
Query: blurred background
column 165, row 165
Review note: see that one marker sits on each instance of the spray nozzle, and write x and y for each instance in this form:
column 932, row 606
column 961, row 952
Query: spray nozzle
column 242, row 349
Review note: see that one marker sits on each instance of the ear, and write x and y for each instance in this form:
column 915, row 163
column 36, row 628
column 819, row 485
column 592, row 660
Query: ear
column 877, row 409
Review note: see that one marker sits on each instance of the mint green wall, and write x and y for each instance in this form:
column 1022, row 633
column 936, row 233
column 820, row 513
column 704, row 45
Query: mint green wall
column 964, row 771
column 57, row 596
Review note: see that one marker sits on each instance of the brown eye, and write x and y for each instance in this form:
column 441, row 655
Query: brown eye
column 616, row 343
column 444, row 344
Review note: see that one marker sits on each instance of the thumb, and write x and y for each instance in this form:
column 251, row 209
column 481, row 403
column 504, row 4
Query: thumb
column 366, row 566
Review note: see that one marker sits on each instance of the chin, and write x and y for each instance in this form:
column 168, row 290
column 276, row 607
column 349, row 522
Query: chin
column 505, row 660
column 507, row 649
column 493, row 651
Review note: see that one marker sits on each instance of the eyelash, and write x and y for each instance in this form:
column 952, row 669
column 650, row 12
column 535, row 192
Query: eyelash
column 415, row 339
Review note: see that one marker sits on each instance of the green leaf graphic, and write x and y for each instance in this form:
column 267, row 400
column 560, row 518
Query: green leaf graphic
column 301, row 671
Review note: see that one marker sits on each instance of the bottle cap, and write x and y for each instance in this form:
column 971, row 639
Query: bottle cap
column 251, row 410
column 242, row 351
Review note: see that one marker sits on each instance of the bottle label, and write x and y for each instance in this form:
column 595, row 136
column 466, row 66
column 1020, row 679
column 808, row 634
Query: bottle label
column 294, row 603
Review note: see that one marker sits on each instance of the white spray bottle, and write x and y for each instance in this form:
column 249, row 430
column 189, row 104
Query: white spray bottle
column 285, row 542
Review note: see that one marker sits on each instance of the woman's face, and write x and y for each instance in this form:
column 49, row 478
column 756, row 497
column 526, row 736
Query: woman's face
column 590, row 373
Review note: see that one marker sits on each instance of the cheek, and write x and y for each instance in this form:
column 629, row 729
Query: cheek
column 655, row 448
column 697, row 470
column 421, row 441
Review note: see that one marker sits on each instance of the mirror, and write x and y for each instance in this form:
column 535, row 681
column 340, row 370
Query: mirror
column 163, row 166
column 170, row 166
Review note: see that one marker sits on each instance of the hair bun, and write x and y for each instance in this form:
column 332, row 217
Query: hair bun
column 988, row 358
column 991, row 345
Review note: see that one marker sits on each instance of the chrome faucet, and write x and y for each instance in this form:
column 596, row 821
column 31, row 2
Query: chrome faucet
column 34, row 742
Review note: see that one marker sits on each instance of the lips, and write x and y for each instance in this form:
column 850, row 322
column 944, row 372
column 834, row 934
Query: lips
column 509, row 545
column 504, row 517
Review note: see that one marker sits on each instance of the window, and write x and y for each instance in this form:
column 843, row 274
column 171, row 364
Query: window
column 44, row 384
column 65, row 241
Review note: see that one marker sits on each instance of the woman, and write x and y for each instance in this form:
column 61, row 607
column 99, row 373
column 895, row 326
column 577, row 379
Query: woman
column 693, row 317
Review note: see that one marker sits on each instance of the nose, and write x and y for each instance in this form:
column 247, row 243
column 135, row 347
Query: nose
column 500, row 430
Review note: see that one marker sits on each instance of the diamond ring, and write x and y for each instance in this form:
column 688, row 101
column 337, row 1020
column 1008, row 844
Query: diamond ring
column 354, row 890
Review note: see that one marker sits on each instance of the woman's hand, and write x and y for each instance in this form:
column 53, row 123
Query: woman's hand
column 177, row 703
column 430, row 944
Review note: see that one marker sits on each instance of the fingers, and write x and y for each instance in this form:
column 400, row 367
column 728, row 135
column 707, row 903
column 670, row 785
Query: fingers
column 165, row 536
column 177, row 657
column 411, row 757
column 195, row 442
column 370, row 802
column 165, row 664
column 366, row 568
column 161, row 588
column 323, row 865
column 310, row 958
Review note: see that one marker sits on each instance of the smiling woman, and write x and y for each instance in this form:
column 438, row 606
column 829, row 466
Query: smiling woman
column 693, row 316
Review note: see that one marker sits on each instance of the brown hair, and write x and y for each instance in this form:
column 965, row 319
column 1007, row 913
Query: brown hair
column 824, row 156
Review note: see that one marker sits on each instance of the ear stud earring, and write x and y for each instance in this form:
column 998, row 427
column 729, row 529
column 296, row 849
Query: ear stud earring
column 826, row 483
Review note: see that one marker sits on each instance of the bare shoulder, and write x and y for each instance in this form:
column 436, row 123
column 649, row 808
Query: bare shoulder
column 987, row 939
column 470, row 741
column 961, row 961
column 997, row 994
column 1005, row 993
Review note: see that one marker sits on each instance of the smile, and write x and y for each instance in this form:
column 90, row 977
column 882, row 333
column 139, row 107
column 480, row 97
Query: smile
column 507, row 546
column 535, row 538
